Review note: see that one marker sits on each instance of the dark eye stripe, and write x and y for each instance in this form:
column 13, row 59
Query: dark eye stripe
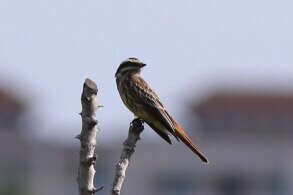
column 125, row 65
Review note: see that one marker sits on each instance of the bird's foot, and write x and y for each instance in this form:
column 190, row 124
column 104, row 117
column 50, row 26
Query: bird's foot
column 135, row 120
column 137, row 126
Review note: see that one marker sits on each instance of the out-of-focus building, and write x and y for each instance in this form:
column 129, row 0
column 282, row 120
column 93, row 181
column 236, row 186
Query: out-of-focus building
column 29, row 166
column 11, row 108
column 13, row 149
column 249, row 139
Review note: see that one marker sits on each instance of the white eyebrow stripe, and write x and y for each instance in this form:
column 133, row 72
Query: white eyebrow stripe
column 132, row 60
column 128, row 68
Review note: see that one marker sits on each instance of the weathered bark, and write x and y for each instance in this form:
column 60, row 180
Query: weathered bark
column 87, row 137
column 136, row 127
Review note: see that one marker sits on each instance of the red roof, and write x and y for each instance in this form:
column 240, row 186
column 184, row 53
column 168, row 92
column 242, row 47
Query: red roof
column 10, row 102
column 247, row 101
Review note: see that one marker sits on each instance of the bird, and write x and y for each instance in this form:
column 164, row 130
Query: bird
column 145, row 104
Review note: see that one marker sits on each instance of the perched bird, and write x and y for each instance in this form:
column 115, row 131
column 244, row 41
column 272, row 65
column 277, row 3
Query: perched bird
column 140, row 99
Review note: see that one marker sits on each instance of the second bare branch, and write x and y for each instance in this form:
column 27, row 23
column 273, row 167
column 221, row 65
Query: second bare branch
column 135, row 129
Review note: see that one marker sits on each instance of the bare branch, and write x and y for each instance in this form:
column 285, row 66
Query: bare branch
column 87, row 137
column 136, row 127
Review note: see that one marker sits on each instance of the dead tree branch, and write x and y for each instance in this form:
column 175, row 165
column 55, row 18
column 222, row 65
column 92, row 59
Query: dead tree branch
column 136, row 127
column 87, row 137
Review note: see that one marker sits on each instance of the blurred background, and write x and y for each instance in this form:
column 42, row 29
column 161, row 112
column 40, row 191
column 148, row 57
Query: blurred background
column 222, row 68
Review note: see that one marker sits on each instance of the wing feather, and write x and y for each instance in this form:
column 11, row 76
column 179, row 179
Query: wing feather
column 147, row 97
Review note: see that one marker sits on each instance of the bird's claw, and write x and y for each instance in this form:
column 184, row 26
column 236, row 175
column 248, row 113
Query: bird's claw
column 136, row 120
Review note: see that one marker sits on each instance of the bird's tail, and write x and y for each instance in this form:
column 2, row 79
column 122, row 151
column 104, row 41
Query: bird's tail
column 187, row 141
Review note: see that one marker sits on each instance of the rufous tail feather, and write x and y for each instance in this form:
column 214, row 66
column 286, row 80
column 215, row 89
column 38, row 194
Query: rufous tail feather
column 187, row 141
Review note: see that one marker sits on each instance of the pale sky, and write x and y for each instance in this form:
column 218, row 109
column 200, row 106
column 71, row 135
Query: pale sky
column 48, row 48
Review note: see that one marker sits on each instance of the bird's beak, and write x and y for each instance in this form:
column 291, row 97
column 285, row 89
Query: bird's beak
column 142, row 65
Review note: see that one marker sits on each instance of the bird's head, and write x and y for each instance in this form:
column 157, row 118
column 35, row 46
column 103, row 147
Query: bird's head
column 129, row 67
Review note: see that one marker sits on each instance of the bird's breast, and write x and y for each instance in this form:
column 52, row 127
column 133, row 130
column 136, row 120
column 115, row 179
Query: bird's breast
column 124, row 88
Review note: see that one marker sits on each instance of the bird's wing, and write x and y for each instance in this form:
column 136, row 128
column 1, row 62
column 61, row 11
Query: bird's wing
column 146, row 96
column 149, row 98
